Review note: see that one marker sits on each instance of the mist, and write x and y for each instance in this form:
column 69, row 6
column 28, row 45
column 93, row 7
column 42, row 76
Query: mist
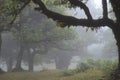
column 36, row 44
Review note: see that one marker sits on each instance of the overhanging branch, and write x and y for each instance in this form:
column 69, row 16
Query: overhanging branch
column 72, row 21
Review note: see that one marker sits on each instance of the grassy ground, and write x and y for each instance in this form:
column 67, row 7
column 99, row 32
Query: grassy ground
column 52, row 75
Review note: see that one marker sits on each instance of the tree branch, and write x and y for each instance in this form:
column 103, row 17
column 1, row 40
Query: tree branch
column 82, row 6
column 19, row 11
column 105, row 10
column 72, row 21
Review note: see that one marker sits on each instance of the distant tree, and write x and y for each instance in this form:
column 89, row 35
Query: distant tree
column 9, row 49
column 39, row 38
column 110, row 48
column 89, row 22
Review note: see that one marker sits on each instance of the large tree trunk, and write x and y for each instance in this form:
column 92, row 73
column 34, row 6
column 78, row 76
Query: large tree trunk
column 116, row 32
column 19, row 59
column 116, row 29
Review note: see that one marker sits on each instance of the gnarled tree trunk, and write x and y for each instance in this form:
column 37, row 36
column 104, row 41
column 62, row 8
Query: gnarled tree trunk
column 116, row 29
column 116, row 32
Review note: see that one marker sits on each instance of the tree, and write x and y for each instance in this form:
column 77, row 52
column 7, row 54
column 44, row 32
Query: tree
column 9, row 49
column 89, row 22
column 43, row 36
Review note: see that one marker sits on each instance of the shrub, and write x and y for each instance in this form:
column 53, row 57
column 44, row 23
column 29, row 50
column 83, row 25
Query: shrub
column 82, row 67
column 67, row 73
column 105, row 65
column 108, row 66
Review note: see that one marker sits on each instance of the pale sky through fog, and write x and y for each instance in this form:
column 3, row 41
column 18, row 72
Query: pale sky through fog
column 95, row 7
column 97, row 4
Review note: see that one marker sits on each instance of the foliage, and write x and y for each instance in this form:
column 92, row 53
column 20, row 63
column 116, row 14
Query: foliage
column 82, row 67
column 65, row 33
column 9, row 11
column 28, row 34
column 42, row 36
column 92, row 70
column 87, row 75
column 64, row 3
column 43, row 29
column 67, row 73
column 105, row 65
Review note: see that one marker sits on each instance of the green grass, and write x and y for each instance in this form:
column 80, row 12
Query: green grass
column 52, row 75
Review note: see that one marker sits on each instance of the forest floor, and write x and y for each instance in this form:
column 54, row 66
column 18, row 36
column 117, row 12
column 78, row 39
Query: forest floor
column 53, row 75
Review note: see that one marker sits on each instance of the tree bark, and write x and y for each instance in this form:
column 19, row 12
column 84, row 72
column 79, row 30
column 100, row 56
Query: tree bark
column 116, row 29
column 116, row 32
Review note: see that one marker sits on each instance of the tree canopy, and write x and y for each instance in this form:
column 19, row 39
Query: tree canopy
column 10, row 9
column 14, row 7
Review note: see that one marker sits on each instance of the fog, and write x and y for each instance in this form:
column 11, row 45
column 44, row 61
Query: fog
column 35, row 43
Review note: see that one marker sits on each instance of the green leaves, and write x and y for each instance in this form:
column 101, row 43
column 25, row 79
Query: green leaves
column 27, row 34
column 12, row 6
column 61, row 34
